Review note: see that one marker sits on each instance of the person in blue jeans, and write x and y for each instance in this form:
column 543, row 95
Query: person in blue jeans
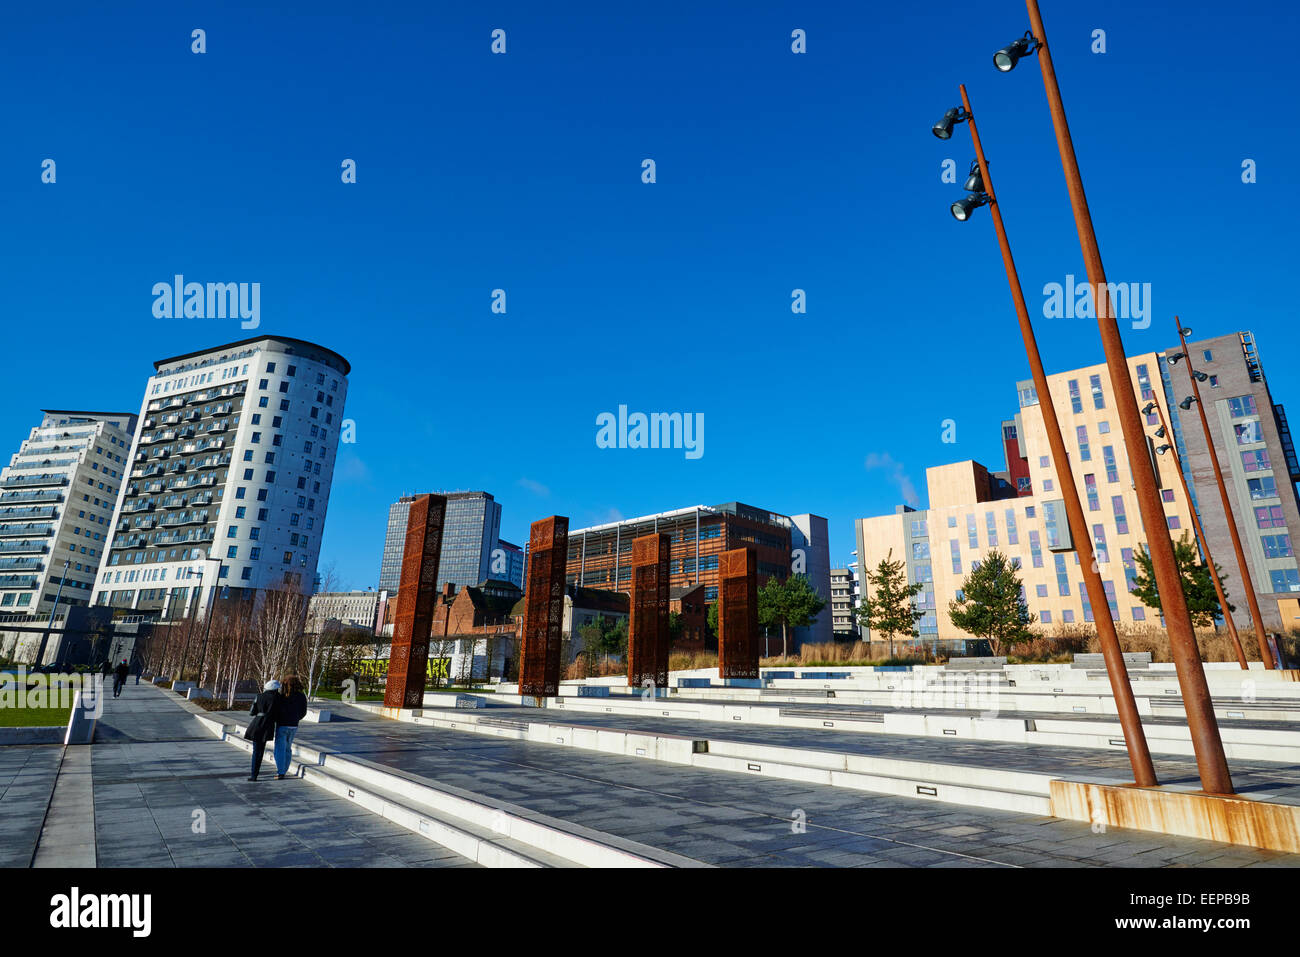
column 293, row 708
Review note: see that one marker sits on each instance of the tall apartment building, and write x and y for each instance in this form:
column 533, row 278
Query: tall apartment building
column 56, row 508
column 844, row 622
column 470, row 533
column 972, row 510
column 231, row 467
column 356, row 609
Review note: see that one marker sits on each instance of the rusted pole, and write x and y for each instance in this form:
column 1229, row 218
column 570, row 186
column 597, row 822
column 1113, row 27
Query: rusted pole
column 1202, row 724
column 1200, row 536
column 1135, row 740
column 1246, row 582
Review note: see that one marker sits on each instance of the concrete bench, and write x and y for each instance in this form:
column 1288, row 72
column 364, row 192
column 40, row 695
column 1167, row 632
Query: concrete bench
column 976, row 664
column 317, row 715
column 1097, row 662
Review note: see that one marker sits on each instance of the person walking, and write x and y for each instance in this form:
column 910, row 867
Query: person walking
column 119, row 677
column 139, row 667
column 293, row 708
column 265, row 711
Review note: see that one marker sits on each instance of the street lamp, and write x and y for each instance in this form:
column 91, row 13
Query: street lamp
column 1125, row 704
column 40, row 651
column 1211, row 762
column 962, row 209
column 1011, row 54
column 207, row 626
column 1186, row 404
column 943, row 129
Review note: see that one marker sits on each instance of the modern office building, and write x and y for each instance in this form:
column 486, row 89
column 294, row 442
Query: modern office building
column 56, row 509
column 600, row 556
column 511, row 556
column 230, row 477
column 972, row 510
column 844, row 621
column 348, row 609
column 470, row 533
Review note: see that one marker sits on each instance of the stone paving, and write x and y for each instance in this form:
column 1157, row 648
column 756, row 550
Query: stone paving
column 1281, row 782
column 27, row 775
column 153, row 767
column 735, row 820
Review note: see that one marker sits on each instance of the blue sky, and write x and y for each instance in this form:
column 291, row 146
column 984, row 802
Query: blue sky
column 522, row 172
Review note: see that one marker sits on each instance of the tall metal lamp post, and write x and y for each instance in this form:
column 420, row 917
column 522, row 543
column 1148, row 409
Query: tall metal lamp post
column 1256, row 619
column 979, row 186
column 1211, row 762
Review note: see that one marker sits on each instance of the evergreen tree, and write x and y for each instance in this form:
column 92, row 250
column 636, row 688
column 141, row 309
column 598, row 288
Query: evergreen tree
column 992, row 606
column 887, row 606
column 1198, row 586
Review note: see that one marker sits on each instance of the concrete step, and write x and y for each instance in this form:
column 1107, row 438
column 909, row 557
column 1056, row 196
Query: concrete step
column 491, row 832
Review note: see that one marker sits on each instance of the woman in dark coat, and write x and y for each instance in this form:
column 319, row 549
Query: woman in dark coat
column 293, row 708
column 267, row 707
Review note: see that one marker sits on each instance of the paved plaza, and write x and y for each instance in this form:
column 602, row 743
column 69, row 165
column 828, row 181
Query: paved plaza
column 158, row 789
column 151, row 769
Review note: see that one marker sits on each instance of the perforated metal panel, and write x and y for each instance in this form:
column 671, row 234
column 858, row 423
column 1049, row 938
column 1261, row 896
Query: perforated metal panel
column 648, row 639
column 738, row 614
column 416, row 596
column 539, row 668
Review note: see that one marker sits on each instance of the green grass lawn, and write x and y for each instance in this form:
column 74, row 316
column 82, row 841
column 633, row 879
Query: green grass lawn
column 34, row 717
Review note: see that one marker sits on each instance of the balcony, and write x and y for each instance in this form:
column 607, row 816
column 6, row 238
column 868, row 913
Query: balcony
column 25, row 530
column 18, row 481
column 17, row 564
column 17, row 581
column 30, row 547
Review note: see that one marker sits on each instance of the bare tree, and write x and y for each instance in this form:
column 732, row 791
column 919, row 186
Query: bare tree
column 277, row 625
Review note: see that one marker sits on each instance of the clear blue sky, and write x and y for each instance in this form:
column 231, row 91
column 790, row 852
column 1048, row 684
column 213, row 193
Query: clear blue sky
column 523, row 172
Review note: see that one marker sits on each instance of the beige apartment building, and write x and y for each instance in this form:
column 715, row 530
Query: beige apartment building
column 1020, row 511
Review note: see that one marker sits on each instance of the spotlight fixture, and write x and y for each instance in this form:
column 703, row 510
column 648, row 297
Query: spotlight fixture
column 1161, row 450
column 943, row 129
column 975, row 181
column 1173, row 359
column 962, row 209
column 1160, row 432
column 1187, row 403
column 1011, row 54
column 1200, row 376
column 1185, row 332
column 1148, row 408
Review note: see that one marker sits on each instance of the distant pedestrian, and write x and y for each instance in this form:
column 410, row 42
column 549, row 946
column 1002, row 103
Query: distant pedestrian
column 265, row 711
column 120, row 674
column 293, row 708
column 139, row 667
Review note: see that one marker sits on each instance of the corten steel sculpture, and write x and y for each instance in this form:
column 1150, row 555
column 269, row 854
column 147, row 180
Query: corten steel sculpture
column 548, row 552
column 647, row 632
column 738, row 614
column 416, row 597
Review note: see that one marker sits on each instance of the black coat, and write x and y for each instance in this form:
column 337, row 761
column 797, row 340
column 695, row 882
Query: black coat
column 267, row 703
column 121, row 671
column 292, row 710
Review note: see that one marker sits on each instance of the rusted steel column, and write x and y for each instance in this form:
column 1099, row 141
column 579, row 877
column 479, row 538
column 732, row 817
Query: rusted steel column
column 738, row 614
column 647, row 631
column 1130, row 720
column 539, row 667
column 1211, row 762
column 417, row 593
column 1200, row 536
column 1246, row 582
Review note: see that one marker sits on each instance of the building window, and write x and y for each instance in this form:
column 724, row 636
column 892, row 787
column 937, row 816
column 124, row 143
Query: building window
column 1139, row 614
column 1270, row 516
column 1277, row 546
column 1248, row 432
column 1035, row 549
column 1264, row 487
column 1013, row 537
column 992, row 525
column 955, row 546
column 1067, row 616
column 1209, row 356
column 1062, row 576
column 1090, row 486
column 1098, row 399
column 1255, row 460
column 1085, row 453
column 1242, row 405
column 1167, row 494
column 1144, row 383
column 1121, row 519
column 1175, row 522
column 972, row 535
column 1042, row 591
column 1285, row 579
column 1076, row 403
